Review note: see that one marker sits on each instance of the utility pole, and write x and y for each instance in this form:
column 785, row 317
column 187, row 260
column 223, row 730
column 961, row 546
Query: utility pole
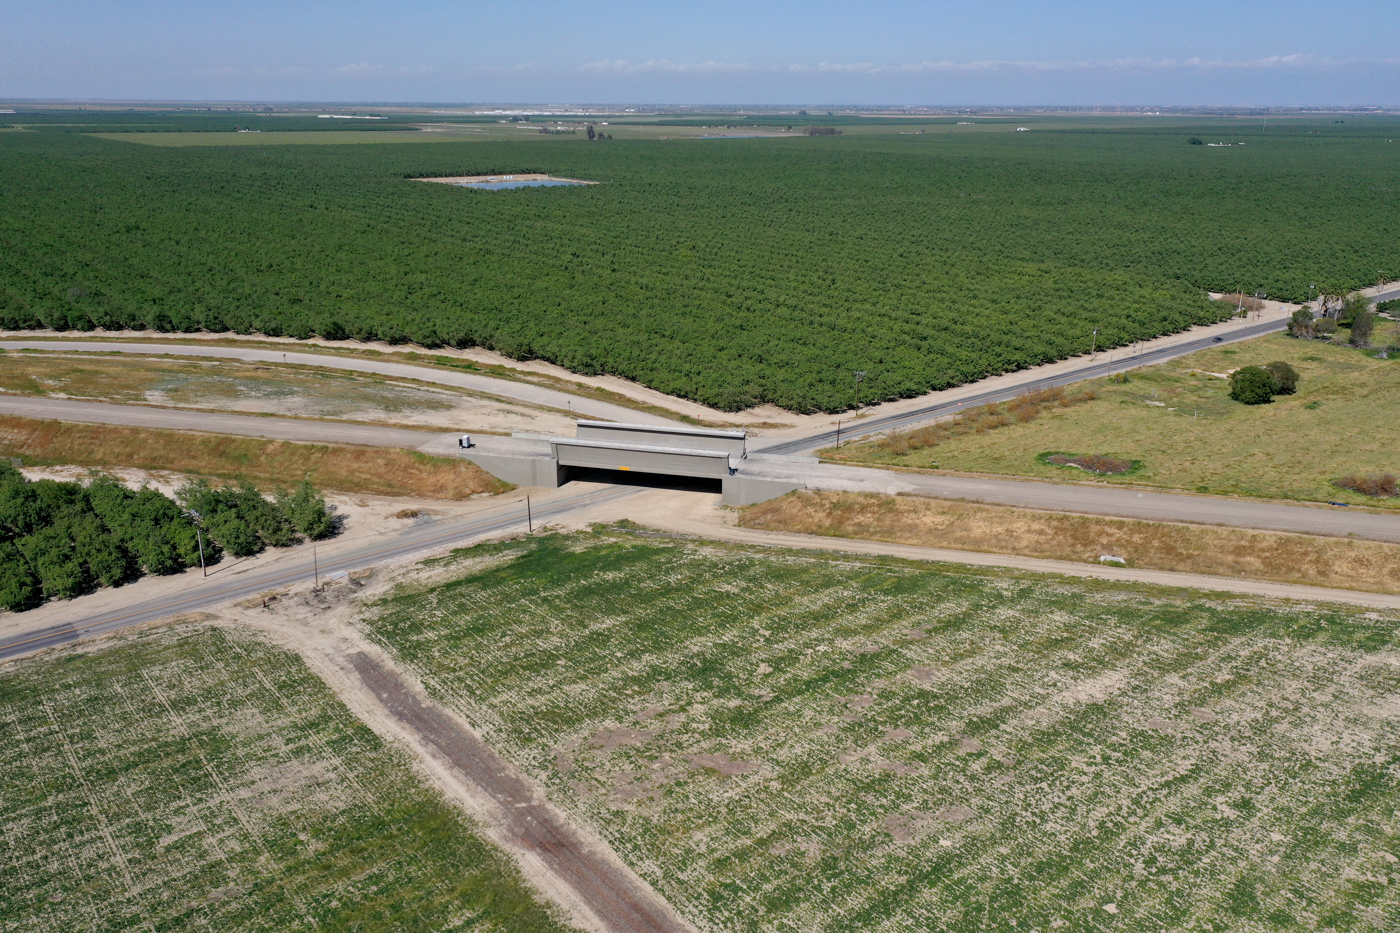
column 529, row 517
column 860, row 377
column 200, row 538
column 1094, row 346
column 838, row 432
column 315, row 568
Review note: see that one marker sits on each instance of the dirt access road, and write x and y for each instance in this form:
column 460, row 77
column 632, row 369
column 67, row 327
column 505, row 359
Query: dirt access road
column 617, row 899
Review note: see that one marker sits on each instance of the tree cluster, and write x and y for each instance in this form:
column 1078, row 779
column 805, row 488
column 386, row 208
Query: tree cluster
column 1257, row 385
column 62, row 539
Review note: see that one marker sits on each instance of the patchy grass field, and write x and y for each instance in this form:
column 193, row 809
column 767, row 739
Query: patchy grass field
column 382, row 471
column 218, row 384
column 794, row 742
column 971, row 526
column 1181, row 423
column 207, row 781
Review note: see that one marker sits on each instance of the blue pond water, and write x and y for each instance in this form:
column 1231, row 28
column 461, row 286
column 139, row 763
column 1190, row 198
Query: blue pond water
column 498, row 185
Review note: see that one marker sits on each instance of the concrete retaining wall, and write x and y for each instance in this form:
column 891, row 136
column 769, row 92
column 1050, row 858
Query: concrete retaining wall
column 545, row 472
column 746, row 490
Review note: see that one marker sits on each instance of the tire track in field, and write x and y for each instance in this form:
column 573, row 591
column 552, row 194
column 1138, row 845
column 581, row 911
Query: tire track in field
column 621, row 901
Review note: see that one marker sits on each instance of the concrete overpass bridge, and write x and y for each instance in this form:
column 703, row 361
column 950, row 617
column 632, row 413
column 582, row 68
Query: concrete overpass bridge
column 674, row 452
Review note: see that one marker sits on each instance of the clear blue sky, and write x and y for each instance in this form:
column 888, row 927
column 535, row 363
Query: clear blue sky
column 995, row 52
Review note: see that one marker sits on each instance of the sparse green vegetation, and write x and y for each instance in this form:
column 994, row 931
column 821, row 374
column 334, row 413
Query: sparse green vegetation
column 780, row 741
column 760, row 270
column 1180, row 422
column 204, row 780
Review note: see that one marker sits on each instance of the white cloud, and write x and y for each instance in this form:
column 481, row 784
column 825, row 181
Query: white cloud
column 624, row 67
column 1290, row 62
column 366, row 70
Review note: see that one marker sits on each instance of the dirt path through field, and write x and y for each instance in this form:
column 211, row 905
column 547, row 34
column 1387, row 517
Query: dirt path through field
column 576, row 871
column 617, row 898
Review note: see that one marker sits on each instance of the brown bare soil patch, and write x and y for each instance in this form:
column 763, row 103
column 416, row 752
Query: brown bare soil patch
column 369, row 470
column 1092, row 463
column 723, row 764
column 1372, row 566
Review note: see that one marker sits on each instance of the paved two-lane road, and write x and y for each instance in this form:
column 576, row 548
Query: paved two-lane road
column 227, row 586
column 301, row 430
column 940, row 409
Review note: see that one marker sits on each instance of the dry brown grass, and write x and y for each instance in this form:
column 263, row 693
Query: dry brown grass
column 1228, row 552
column 370, row 470
column 1240, row 301
column 1379, row 486
column 1024, row 408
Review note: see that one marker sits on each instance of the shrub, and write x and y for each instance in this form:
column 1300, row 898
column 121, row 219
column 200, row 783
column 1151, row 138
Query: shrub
column 61, row 572
column 19, row 588
column 1352, row 308
column 1301, row 324
column 1362, row 326
column 1380, row 486
column 305, row 507
column 22, row 512
column 107, row 562
column 219, row 514
column 1285, row 377
column 1252, row 385
column 1325, row 327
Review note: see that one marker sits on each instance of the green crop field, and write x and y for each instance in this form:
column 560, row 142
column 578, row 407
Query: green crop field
column 793, row 742
column 729, row 271
column 1178, row 420
column 207, row 781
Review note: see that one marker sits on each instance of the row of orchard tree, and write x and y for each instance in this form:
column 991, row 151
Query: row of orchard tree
column 62, row 539
column 735, row 274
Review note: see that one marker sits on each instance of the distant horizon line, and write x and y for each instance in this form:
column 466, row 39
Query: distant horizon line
column 655, row 107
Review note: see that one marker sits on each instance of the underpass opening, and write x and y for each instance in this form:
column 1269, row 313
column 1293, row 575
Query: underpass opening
column 580, row 474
